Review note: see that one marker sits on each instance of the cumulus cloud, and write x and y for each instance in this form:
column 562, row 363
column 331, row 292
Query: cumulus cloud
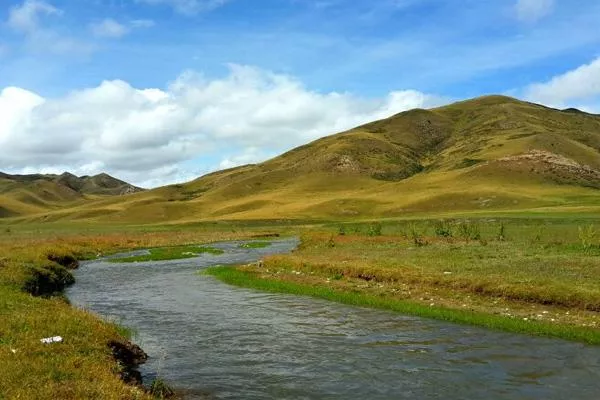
column 154, row 136
column 108, row 28
column 189, row 7
column 533, row 10
column 580, row 85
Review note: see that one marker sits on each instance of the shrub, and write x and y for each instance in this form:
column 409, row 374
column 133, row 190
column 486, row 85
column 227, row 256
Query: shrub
column 442, row 229
column 374, row 229
column 331, row 242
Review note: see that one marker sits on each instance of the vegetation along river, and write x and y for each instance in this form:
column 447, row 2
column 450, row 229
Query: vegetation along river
column 218, row 341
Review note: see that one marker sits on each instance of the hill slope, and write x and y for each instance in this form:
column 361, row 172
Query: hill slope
column 27, row 194
column 492, row 152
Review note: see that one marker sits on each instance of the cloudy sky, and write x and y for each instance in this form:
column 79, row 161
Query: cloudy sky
column 162, row 91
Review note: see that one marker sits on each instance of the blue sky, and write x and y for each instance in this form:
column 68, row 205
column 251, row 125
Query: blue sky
column 158, row 91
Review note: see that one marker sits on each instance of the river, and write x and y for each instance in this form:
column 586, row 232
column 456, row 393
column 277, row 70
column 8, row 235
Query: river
column 216, row 341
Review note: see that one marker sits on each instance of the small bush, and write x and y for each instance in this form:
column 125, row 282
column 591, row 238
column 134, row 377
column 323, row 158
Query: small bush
column 341, row 230
column 331, row 242
column 442, row 229
column 374, row 229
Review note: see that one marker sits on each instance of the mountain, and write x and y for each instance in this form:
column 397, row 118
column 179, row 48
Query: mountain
column 30, row 194
column 488, row 153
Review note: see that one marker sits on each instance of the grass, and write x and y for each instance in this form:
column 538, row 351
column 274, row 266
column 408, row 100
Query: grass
column 170, row 253
column 538, row 273
column 249, row 279
column 255, row 245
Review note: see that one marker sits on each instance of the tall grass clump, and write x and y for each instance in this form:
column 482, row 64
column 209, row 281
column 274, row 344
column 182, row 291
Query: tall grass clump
column 501, row 236
column 587, row 237
column 442, row 229
column 469, row 231
column 417, row 235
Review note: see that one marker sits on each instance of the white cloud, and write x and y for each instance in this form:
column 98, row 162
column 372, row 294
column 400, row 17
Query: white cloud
column 188, row 7
column 533, row 10
column 25, row 17
column 579, row 85
column 152, row 136
column 108, row 28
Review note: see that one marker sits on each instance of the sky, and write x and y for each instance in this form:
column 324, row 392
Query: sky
column 163, row 91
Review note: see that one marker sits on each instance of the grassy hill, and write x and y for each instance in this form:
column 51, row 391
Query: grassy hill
column 492, row 153
column 37, row 193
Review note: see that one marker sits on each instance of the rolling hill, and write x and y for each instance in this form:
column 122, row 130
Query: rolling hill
column 488, row 153
column 37, row 193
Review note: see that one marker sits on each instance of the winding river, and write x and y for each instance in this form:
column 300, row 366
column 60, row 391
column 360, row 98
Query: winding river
column 221, row 342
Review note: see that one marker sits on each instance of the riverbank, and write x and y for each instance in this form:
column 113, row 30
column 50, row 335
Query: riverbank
column 32, row 306
column 519, row 276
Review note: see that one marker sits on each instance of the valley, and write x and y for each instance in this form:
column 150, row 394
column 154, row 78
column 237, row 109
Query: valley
column 481, row 213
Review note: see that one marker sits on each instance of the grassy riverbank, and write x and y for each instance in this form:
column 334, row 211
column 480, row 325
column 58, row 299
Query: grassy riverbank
column 531, row 276
column 32, row 307
column 170, row 253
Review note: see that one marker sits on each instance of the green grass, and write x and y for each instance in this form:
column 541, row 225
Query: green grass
column 255, row 245
column 170, row 253
column 246, row 279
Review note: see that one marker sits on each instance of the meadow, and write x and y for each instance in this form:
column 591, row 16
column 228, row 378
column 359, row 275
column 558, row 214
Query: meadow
column 535, row 274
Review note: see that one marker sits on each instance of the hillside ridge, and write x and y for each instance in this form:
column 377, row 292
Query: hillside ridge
column 488, row 153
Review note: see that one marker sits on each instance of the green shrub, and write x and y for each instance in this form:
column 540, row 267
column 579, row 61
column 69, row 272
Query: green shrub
column 374, row 229
column 442, row 229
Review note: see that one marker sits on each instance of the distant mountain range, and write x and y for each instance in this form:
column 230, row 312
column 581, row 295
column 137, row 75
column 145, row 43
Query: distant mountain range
column 488, row 153
column 26, row 194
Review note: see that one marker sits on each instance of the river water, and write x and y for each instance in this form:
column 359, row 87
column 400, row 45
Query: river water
column 222, row 342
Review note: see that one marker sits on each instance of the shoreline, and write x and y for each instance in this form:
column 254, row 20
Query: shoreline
column 252, row 279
